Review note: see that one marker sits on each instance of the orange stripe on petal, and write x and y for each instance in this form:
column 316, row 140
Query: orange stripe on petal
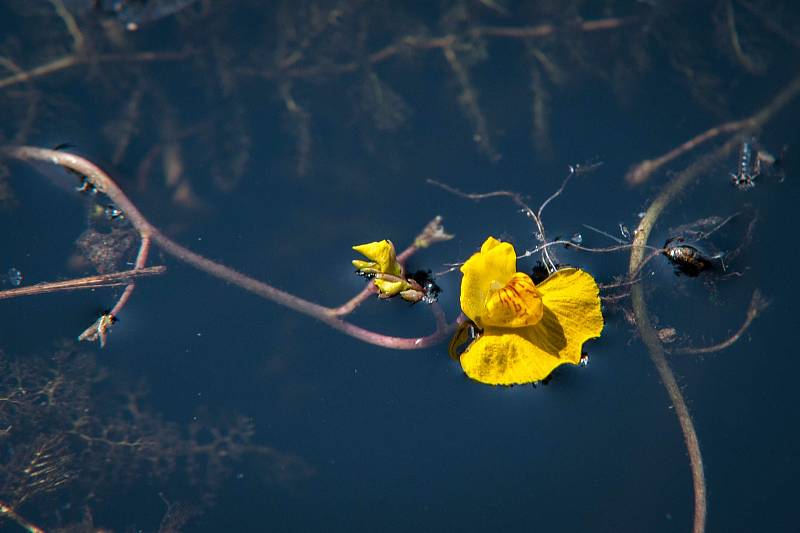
column 515, row 305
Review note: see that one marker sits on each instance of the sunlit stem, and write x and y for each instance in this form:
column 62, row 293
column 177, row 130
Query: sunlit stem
column 8, row 512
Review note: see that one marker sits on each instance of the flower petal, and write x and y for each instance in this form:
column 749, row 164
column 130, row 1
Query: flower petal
column 572, row 296
column 489, row 243
column 504, row 357
column 389, row 288
column 489, row 269
column 382, row 254
column 571, row 316
column 516, row 304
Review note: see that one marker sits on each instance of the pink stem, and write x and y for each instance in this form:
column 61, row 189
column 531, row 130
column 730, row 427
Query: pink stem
column 141, row 260
column 105, row 184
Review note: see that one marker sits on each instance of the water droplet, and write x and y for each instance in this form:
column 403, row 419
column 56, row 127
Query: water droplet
column 14, row 277
column 577, row 238
column 111, row 212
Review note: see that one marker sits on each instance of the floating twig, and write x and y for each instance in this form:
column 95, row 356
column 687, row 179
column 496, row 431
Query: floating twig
column 90, row 282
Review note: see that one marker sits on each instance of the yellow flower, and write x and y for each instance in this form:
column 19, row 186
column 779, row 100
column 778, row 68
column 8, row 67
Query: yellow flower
column 528, row 330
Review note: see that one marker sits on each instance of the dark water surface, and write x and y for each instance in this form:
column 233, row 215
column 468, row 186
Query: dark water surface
column 352, row 437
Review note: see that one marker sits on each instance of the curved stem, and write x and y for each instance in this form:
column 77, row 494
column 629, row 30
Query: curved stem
column 650, row 336
column 637, row 259
column 517, row 199
column 105, row 184
column 322, row 313
column 657, row 355
column 757, row 305
column 641, row 172
column 141, row 261
column 350, row 305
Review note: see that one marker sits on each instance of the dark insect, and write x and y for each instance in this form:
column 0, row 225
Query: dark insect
column 539, row 272
column 749, row 167
column 111, row 212
column 709, row 244
column 428, row 284
column 755, row 163
column 687, row 259
column 85, row 184
column 466, row 333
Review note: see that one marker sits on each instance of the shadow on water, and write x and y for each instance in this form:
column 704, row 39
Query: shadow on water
column 272, row 139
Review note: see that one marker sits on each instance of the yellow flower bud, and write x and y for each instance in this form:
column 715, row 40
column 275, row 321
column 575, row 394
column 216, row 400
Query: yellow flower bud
column 382, row 258
column 389, row 288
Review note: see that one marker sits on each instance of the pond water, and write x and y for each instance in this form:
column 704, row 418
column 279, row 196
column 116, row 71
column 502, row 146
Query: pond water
column 272, row 138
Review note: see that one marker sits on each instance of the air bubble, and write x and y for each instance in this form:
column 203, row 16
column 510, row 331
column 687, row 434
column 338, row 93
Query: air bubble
column 577, row 238
column 112, row 212
column 14, row 277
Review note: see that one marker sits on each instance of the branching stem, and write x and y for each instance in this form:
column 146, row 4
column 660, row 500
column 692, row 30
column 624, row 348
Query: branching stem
column 330, row 316
column 757, row 305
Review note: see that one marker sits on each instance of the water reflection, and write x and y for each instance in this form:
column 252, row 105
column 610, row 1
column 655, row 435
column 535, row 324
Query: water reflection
column 132, row 14
column 272, row 139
